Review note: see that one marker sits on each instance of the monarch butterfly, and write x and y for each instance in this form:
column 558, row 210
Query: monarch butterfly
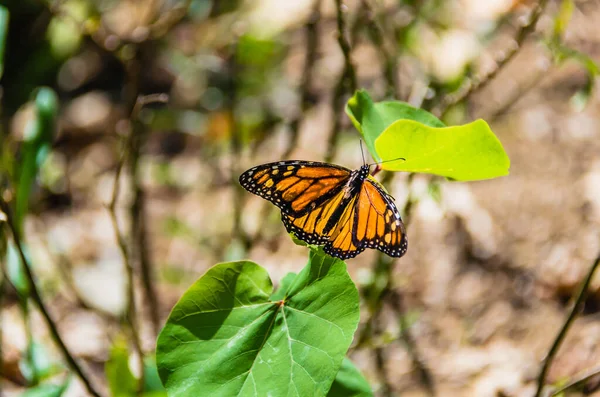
column 345, row 210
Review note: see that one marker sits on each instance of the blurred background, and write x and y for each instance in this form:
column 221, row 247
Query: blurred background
column 125, row 125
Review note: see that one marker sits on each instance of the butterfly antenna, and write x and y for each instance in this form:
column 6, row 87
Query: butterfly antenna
column 362, row 152
column 389, row 161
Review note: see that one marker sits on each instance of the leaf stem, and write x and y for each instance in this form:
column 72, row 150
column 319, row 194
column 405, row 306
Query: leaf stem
column 579, row 301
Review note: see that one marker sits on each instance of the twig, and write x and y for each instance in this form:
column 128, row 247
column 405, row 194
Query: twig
column 3, row 283
column 425, row 377
column 579, row 301
column 312, row 43
column 239, row 234
column 383, row 268
column 346, row 82
column 336, row 106
column 167, row 20
column 349, row 72
column 129, row 149
column 390, row 66
column 131, row 306
column 580, row 380
column 35, row 295
column 140, row 249
column 478, row 84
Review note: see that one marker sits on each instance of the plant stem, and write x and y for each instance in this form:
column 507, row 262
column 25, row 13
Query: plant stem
column 312, row 43
column 473, row 86
column 346, row 82
column 579, row 301
column 35, row 295
column 377, row 34
column 140, row 246
column 131, row 306
column 349, row 72
column 239, row 197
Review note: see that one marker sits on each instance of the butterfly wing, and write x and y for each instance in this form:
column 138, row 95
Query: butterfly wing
column 341, row 241
column 315, row 226
column 296, row 187
column 377, row 221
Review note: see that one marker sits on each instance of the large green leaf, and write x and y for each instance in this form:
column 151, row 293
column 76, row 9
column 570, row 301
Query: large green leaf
column 284, row 286
column 466, row 152
column 349, row 382
column 371, row 119
column 226, row 337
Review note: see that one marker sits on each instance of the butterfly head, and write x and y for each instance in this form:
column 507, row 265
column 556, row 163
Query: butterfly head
column 364, row 171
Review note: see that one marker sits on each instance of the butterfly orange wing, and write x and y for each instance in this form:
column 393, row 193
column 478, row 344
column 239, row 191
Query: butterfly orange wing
column 377, row 221
column 296, row 187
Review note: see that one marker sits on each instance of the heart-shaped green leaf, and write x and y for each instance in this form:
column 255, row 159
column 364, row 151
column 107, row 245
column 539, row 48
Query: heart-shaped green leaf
column 226, row 337
column 371, row 119
column 468, row 152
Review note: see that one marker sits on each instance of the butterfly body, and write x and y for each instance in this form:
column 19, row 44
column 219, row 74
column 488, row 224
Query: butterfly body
column 345, row 210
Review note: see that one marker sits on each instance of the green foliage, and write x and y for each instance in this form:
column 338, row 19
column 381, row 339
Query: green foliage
column 152, row 385
column 64, row 33
column 371, row 119
column 3, row 32
column 563, row 18
column 47, row 390
column 563, row 53
column 37, row 365
column 36, row 146
column 349, row 382
column 395, row 130
column 284, row 286
column 121, row 382
column 469, row 152
column 39, row 134
column 226, row 336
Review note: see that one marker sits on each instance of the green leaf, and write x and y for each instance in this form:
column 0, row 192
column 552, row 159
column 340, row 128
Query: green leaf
column 562, row 19
column 225, row 337
column 3, row 33
column 284, row 286
column 47, row 390
column 467, row 153
column 152, row 384
column 38, row 140
column 371, row 119
column 349, row 382
column 121, row 381
column 15, row 271
column 37, row 364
